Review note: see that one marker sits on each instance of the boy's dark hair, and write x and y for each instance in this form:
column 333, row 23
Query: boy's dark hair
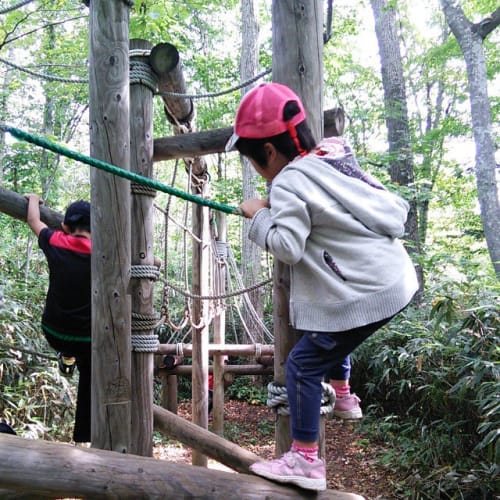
column 254, row 148
column 78, row 216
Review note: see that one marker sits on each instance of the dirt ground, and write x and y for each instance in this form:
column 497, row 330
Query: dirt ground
column 350, row 458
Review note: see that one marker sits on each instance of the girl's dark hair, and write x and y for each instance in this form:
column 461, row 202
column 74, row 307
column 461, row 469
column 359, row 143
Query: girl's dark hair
column 254, row 148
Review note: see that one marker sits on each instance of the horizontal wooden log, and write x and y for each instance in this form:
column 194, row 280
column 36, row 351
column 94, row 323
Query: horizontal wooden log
column 214, row 141
column 236, row 369
column 228, row 349
column 45, row 469
column 16, row 205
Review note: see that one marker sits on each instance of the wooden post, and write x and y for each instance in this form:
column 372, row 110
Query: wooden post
column 219, row 325
column 141, row 159
column 297, row 55
column 200, row 259
column 166, row 63
column 110, row 141
column 172, row 393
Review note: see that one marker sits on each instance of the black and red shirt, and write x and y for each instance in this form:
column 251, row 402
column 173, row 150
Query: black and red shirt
column 68, row 302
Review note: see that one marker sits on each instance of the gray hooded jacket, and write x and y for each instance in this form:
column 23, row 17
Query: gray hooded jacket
column 338, row 229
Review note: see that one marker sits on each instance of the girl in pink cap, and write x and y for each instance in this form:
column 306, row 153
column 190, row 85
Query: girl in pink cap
column 337, row 228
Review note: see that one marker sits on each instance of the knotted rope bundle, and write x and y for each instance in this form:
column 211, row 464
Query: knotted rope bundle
column 277, row 398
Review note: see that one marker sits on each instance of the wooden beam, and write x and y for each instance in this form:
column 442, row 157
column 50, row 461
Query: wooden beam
column 43, row 469
column 206, row 442
column 15, row 205
column 236, row 369
column 166, row 63
column 225, row 349
column 214, row 141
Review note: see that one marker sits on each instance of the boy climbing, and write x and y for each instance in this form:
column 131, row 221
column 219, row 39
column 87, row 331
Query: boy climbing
column 66, row 319
column 337, row 228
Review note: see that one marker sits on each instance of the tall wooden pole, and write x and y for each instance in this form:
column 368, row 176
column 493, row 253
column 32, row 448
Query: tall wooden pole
column 166, row 63
column 110, row 141
column 200, row 286
column 220, row 273
column 297, row 62
column 141, row 157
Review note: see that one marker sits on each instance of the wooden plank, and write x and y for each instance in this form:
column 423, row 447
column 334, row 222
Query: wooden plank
column 42, row 469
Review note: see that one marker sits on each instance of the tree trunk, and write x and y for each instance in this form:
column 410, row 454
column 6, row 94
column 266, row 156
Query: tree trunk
column 250, row 252
column 396, row 116
column 470, row 38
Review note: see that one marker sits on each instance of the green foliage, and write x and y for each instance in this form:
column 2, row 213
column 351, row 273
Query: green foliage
column 431, row 377
column 245, row 388
column 433, row 384
column 34, row 399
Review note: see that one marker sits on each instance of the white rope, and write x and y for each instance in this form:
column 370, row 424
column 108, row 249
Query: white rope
column 144, row 271
column 278, row 399
column 145, row 343
column 248, row 303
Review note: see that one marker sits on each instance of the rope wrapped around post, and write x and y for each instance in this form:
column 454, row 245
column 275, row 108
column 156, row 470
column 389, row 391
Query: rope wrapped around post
column 145, row 343
column 144, row 322
column 141, row 73
column 277, row 398
column 144, row 271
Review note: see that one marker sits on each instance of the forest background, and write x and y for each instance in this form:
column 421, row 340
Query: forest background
column 430, row 381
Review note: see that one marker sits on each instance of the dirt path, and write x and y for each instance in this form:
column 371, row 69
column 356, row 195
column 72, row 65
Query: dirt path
column 351, row 459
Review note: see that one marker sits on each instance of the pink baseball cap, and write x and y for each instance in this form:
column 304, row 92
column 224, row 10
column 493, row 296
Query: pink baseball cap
column 260, row 113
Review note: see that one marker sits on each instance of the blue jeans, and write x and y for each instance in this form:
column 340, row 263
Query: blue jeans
column 314, row 356
column 341, row 370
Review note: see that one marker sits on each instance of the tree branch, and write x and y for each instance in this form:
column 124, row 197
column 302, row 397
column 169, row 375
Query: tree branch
column 487, row 25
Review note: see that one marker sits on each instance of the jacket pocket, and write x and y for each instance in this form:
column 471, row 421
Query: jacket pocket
column 331, row 264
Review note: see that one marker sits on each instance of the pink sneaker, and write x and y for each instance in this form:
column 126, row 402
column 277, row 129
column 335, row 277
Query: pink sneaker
column 293, row 468
column 348, row 408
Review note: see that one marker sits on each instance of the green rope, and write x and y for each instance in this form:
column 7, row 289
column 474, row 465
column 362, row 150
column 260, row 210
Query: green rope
column 120, row 172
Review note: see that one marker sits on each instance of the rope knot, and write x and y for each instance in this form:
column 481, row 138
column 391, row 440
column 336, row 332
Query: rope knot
column 278, row 399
